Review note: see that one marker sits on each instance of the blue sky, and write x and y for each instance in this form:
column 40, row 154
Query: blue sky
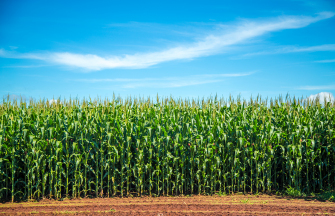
column 188, row 49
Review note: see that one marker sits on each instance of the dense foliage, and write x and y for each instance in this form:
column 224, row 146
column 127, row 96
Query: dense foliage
column 166, row 147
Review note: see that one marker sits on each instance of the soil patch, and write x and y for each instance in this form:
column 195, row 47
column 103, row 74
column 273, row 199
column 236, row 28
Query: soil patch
column 163, row 206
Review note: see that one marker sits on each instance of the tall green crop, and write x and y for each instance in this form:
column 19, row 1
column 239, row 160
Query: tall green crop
column 168, row 147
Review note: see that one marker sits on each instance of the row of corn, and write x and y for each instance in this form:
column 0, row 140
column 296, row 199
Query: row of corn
column 164, row 147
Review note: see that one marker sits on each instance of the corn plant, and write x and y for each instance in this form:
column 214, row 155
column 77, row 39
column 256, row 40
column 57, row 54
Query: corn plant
column 137, row 146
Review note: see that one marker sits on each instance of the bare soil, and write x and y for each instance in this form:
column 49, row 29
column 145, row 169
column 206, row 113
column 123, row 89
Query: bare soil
column 164, row 206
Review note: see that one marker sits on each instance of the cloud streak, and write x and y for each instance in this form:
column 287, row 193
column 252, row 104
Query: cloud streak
column 24, row 66
column 326, row 61
column 323, row 87
column 209, row 45
column 167, row 82
column 293, row 49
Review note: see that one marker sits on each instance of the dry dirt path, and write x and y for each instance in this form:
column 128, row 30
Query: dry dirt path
column 164, row 206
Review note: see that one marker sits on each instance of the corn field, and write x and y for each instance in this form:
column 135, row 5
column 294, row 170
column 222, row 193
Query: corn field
column 136, row 146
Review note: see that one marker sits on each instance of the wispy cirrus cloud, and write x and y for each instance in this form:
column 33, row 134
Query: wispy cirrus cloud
column 17, row 97
column 294, row 49
column 24, row 66
column 322, row 87
column 13, row 54
column 326, row 61
column 167, row 82
column 211, row 44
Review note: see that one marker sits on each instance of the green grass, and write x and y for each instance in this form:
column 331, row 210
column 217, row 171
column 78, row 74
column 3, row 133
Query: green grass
column 328, row 195
column 290, row 191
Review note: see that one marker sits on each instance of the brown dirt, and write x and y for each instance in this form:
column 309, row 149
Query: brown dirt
column 163, row 206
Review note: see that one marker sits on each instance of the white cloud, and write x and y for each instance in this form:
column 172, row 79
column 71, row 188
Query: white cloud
column 209, row 45
column 16, row 97
column 322, row 97
column 324, row 87
column 13, row 54
column 167, row 82
column 293, row 49
column 53, row 101
column 326, row 61
column 23, row 66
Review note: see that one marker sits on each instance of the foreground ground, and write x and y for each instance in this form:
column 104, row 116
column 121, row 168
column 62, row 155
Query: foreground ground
column 163, row 206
